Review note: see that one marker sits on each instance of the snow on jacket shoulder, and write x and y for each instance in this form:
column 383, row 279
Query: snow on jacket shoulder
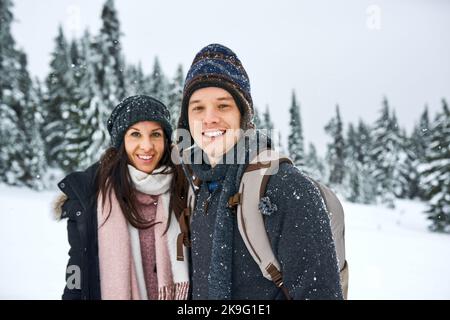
column 301, row 235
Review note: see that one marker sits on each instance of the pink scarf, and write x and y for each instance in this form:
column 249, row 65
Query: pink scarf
column 120, row 268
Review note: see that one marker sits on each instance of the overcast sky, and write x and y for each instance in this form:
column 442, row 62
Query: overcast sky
column 347, row 52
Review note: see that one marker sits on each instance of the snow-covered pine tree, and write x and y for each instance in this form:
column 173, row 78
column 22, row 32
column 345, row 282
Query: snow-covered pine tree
column 421, row 134
column 11, row 141
column 158, row 83
column 8, row 54
column 295, row 138
column 109, row 61
column 76, row 137
column 175, row 96
column 354, row 186
column 267, row 126
column 76, row 61
column 266, row 122
column 38, row 95
column 257, row 119
column 135, row 80
column 264, row 125
column 400, row 176
column 353, row 166
column 384, row 156
column 314, row 166
column 279, row 144
column 109, row 65
column 436, row 171
column 412, row 154
column 364, row 142
column 408, row 176
column 33, row 155
column 418, row 146
column 93, row 135
column 336, row 150
column 37, row 98
column 14, row 91
column 60, row 103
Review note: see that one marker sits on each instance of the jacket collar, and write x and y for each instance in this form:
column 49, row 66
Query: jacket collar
column 80, row 185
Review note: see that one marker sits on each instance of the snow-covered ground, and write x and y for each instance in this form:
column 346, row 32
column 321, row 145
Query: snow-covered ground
column 391, row 253
column 33, row 246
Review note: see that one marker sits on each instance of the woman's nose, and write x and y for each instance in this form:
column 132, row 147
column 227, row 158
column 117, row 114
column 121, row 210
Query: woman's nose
column 146, row 144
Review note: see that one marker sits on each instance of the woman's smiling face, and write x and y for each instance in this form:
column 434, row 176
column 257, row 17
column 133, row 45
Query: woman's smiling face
column 145, row 144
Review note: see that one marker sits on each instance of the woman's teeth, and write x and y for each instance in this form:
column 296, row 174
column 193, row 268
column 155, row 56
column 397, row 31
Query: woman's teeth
column 145, row 157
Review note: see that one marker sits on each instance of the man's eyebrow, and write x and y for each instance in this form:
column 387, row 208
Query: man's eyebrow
column 218, row 99
column 225, row 98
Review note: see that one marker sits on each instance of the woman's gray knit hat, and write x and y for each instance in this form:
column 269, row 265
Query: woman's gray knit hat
column 133, row 110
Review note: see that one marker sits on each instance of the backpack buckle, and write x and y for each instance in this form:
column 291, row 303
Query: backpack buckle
column 275, row 274
column 234, row 200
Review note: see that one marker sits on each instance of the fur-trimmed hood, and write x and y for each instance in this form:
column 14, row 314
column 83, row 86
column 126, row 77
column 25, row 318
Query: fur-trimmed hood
column 80, row 186
column 57, row 206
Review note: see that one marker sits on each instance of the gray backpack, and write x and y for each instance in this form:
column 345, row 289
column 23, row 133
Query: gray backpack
column 251, row 222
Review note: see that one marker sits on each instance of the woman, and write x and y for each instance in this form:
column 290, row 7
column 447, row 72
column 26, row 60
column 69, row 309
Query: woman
column 122, row 237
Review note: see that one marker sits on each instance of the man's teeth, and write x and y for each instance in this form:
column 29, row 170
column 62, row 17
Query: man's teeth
column 214, row 133
column 145, row 157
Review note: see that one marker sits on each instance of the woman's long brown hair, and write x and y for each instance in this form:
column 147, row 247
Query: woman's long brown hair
column 113, row 176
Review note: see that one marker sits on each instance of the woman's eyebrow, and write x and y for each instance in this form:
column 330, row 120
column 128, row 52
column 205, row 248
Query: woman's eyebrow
column 194, row 101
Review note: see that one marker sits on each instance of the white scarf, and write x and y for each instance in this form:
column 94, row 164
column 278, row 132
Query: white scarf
column 157, row 184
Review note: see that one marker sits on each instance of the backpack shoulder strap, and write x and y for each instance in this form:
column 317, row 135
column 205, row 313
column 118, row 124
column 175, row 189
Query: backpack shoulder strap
column 250, row 220
column 336, row 214
column 251, row 223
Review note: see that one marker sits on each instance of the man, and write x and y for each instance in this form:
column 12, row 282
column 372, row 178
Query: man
column 216, row 108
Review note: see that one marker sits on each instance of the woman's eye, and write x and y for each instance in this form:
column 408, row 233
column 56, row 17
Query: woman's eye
column 157, row 134
column 135, row 134
column 197, row 108
column 223, row 106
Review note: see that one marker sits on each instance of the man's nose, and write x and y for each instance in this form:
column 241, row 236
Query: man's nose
column 211, row 116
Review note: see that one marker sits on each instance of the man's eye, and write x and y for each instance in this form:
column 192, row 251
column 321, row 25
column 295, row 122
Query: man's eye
column 135, row 134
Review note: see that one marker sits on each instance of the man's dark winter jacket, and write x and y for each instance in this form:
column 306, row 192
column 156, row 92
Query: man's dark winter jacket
column 300, row 234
